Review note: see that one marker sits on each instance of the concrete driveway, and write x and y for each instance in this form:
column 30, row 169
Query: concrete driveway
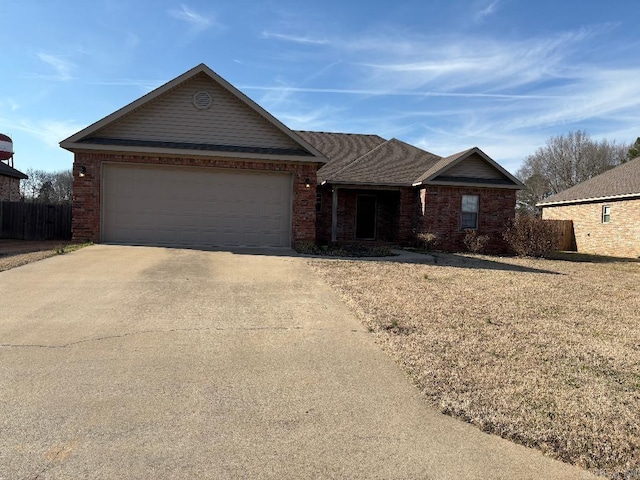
column 131, row 362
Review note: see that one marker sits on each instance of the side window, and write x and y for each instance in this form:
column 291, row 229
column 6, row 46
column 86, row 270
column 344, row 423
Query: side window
column 469, row 217
column 606, row 214
column 318, row 202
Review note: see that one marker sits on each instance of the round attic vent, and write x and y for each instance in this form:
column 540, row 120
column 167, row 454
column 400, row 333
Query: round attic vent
column 202, row 100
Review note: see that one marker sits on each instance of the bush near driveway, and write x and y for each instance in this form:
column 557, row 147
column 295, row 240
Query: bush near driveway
column 543, row 352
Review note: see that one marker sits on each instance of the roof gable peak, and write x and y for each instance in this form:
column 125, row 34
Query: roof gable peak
column 293, row 140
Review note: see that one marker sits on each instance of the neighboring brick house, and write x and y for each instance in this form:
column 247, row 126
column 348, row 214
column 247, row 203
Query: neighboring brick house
column 605, row 211
column 197, row 163
column 10, row 183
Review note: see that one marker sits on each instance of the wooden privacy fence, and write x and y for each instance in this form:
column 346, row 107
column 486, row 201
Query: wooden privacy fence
column 567, row 237
column 35, row 221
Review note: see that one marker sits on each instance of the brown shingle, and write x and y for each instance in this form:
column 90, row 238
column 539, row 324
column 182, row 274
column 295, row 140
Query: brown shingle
column 621, row 180
column 340, row 148
column 391, row 163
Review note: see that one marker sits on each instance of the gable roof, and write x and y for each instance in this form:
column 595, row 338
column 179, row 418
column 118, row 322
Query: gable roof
column 371, row 160
column 622, row 181
column 7, row 171
column 87, row 139
column 393, row 163
column 339, row 148
column 436, row 174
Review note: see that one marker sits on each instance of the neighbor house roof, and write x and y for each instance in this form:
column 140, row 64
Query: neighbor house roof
column 85, row 139
column 622, row 181
column 371, row 160
column 7, row 171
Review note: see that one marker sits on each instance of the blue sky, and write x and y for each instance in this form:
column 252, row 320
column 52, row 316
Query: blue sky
column 503, row 75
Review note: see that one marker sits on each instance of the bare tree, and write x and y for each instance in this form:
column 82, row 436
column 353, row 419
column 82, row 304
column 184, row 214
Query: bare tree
column 634, row 150
column 563, row 162
column 47, row 187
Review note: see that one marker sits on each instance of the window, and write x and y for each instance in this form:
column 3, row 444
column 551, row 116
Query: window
column 318, row 202
column 606, row 214
column 470, row 212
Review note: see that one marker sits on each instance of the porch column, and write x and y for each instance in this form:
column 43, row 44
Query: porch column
column 334, row 215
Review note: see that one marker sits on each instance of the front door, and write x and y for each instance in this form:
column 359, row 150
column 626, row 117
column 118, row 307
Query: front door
column 366, row 217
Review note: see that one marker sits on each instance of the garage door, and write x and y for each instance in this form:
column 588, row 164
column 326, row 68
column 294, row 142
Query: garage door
column 184, row 206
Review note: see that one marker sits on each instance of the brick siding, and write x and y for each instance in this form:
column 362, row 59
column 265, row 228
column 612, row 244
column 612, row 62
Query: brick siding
column 620, row 237
column 395, row 215
column 440, row 213
column 86, row 190
column 9, row 189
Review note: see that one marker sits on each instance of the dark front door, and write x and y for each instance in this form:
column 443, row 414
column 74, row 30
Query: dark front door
column 366, row 217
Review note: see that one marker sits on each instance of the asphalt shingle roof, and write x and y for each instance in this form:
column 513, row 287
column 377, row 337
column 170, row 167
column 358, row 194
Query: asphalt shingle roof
column 391, row 163
column 7, row 171
column 621, row 180
column 371, row 160
column 339, row 148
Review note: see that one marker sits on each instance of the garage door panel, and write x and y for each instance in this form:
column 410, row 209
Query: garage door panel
column 183, row 206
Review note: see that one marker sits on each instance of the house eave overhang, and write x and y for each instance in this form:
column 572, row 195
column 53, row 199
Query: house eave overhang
column 469, row 184
column 20, row 176
column 344, row 184
column 172, row 152
column 626, row 196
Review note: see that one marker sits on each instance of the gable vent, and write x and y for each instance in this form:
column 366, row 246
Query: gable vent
column 202, row 100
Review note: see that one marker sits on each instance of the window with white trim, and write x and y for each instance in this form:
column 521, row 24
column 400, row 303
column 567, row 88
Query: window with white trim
column 606, row 213
column 469, row 216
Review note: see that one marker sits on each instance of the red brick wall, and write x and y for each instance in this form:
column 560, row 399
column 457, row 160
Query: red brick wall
column 409, row 210
column 9, row 189
column 620, row 237
column 440, row 212
column 86, row 190
column 441, row 216
column 396, row 214
column 323, row 217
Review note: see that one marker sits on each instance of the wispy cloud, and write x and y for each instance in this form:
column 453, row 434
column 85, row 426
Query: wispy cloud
column 504, row 96
column 49, row 132
column 61, row 66
column 145, row 85
column 9, row 104
column 283, row 89
column 487, row 10
column 295, row 38
column 131, row 40
column 197, row 22
column 466, row 62
column 321, row 118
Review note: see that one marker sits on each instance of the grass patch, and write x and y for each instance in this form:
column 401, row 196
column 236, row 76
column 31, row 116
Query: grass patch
column 543, row 352
column 61, row 250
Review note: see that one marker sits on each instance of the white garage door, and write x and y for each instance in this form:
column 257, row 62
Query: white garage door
column 184, row 206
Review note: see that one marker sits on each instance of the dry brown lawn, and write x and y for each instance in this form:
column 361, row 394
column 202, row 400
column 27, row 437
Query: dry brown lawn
column 543, row 352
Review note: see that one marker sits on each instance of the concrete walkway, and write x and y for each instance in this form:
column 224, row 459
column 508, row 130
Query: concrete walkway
column 130, row 362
